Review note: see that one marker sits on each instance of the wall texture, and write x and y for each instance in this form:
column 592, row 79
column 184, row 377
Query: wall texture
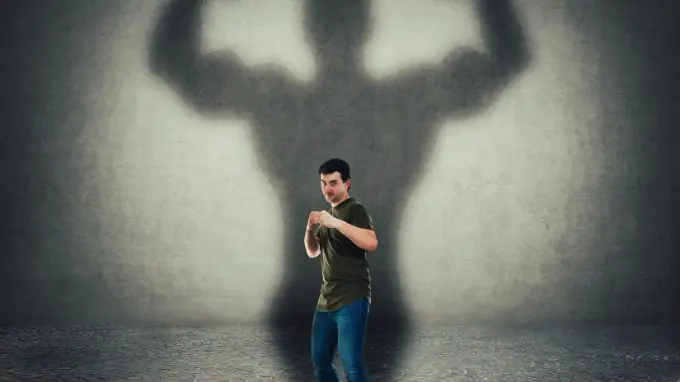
column 122, row 201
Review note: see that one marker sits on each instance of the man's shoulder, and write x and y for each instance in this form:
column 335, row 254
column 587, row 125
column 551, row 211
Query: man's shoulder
column 357, row 208
column 356, row 204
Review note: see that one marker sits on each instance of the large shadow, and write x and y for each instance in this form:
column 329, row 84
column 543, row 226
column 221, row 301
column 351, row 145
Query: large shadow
column 384, row 129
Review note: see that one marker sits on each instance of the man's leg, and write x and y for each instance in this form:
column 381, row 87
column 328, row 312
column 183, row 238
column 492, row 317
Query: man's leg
column 324, row 342
column 351, row 321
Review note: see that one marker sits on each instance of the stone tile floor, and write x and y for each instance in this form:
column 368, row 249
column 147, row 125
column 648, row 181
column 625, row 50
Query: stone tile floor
column 434, row 354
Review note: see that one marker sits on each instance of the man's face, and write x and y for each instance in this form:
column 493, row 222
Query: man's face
column 332, row 187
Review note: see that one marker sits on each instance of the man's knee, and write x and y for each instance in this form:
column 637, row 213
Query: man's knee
column 323, row 341
column 324, row 370
column 322, row 360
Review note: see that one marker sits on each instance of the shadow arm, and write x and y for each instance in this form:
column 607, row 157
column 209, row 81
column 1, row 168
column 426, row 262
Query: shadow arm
column 210, row 83
column 478, row 76
column 468, row 80
column 507, row 51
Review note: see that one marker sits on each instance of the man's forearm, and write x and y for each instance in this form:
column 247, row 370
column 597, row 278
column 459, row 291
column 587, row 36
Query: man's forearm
column 361, row 237
column 311, row 244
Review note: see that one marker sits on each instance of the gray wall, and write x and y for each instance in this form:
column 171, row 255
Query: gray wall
column 120, row 202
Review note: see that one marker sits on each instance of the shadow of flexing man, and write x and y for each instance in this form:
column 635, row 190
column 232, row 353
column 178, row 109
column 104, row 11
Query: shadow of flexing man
column 384, row 129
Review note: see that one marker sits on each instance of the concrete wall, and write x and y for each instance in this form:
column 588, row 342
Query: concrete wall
column 552, row 201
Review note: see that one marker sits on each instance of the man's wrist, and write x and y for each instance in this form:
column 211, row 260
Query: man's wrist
column 338, row 223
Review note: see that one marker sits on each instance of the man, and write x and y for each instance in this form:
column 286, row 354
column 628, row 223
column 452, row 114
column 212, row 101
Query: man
column 341, row 237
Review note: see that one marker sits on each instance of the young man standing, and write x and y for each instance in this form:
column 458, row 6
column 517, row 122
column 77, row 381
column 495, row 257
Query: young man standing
column 341, row 236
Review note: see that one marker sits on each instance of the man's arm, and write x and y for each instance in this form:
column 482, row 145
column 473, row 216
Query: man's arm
column 363, row 238
column 312, row 243
column 359, row 229
column 210, row 83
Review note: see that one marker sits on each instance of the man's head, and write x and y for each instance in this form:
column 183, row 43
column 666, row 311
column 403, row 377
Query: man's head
column 335, row 180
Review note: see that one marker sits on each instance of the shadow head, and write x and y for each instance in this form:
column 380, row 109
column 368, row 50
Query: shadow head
column 337, row 29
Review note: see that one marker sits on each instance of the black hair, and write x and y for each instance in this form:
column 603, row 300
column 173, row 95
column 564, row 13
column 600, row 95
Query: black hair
column 332, row 165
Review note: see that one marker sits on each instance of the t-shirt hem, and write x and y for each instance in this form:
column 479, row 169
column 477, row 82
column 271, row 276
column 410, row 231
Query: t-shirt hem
column 344, row 302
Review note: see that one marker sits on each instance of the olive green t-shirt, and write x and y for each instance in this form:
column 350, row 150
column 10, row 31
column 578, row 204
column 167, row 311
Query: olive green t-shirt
column 345, row 272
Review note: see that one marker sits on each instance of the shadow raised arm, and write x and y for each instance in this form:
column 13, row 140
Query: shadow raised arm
column 468, row 80
column 210, row 83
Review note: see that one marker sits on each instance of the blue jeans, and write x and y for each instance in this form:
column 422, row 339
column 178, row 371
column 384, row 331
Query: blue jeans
column 344, row 329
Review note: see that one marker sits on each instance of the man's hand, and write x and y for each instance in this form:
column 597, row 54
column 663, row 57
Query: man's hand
column 312, row 220
column 327, row 220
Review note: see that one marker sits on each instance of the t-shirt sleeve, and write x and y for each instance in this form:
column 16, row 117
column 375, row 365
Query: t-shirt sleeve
column 361, row 218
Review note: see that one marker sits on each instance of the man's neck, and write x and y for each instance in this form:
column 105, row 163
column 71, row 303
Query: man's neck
column 342, row 200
